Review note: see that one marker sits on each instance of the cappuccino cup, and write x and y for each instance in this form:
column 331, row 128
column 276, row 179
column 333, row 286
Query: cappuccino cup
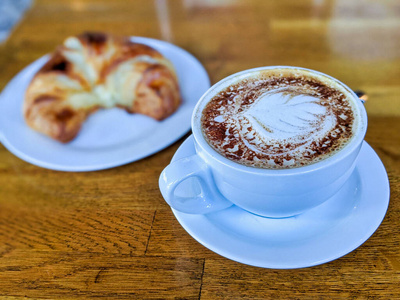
column 274, row 141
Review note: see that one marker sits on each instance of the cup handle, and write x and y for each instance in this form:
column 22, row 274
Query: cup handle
column 209, row 200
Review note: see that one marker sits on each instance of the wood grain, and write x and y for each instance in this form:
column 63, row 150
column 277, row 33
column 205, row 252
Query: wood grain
column 227, row 280
column 56, row 274
column 110, row 234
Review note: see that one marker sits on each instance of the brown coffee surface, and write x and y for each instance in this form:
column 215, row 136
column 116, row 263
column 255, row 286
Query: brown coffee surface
column 279, row 120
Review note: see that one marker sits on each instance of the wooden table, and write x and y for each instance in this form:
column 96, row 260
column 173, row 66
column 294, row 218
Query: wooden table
column 110, row 233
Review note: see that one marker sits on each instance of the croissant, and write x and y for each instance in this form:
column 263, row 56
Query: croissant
column 97, row 70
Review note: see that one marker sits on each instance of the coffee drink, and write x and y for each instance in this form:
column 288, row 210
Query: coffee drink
column 288, row 139
column 280, row 118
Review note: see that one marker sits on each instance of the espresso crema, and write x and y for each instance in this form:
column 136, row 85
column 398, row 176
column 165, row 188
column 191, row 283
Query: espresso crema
column 279, row 119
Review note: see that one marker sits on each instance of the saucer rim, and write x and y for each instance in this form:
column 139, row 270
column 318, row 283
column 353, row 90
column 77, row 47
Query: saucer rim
column 187, row 220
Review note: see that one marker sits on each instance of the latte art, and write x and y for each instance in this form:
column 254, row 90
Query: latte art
column 278, row 121
column 280, row 115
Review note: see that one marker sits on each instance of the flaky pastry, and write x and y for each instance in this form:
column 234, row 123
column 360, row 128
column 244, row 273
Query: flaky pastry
column 96, row 70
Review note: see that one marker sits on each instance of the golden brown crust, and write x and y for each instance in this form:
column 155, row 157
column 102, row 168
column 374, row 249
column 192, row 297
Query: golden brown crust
column 128, row 50
column 138, row 77
column 57, row 62
column 156, row 93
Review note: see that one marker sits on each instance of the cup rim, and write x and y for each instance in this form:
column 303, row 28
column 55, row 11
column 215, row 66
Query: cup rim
column 343, row 153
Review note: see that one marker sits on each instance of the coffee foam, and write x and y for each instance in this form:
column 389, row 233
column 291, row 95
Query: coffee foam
column 279, row 120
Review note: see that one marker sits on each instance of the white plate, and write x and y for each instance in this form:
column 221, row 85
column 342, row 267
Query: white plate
column 110, row 137
column 320, row 235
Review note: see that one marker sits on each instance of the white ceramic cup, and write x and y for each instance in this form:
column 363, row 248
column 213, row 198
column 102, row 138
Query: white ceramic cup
column 273, row 193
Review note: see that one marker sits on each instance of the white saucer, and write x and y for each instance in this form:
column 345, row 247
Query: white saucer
column 101, row 143
column 320, row 235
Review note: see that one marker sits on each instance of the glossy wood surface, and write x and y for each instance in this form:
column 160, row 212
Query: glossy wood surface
column 110, row 233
